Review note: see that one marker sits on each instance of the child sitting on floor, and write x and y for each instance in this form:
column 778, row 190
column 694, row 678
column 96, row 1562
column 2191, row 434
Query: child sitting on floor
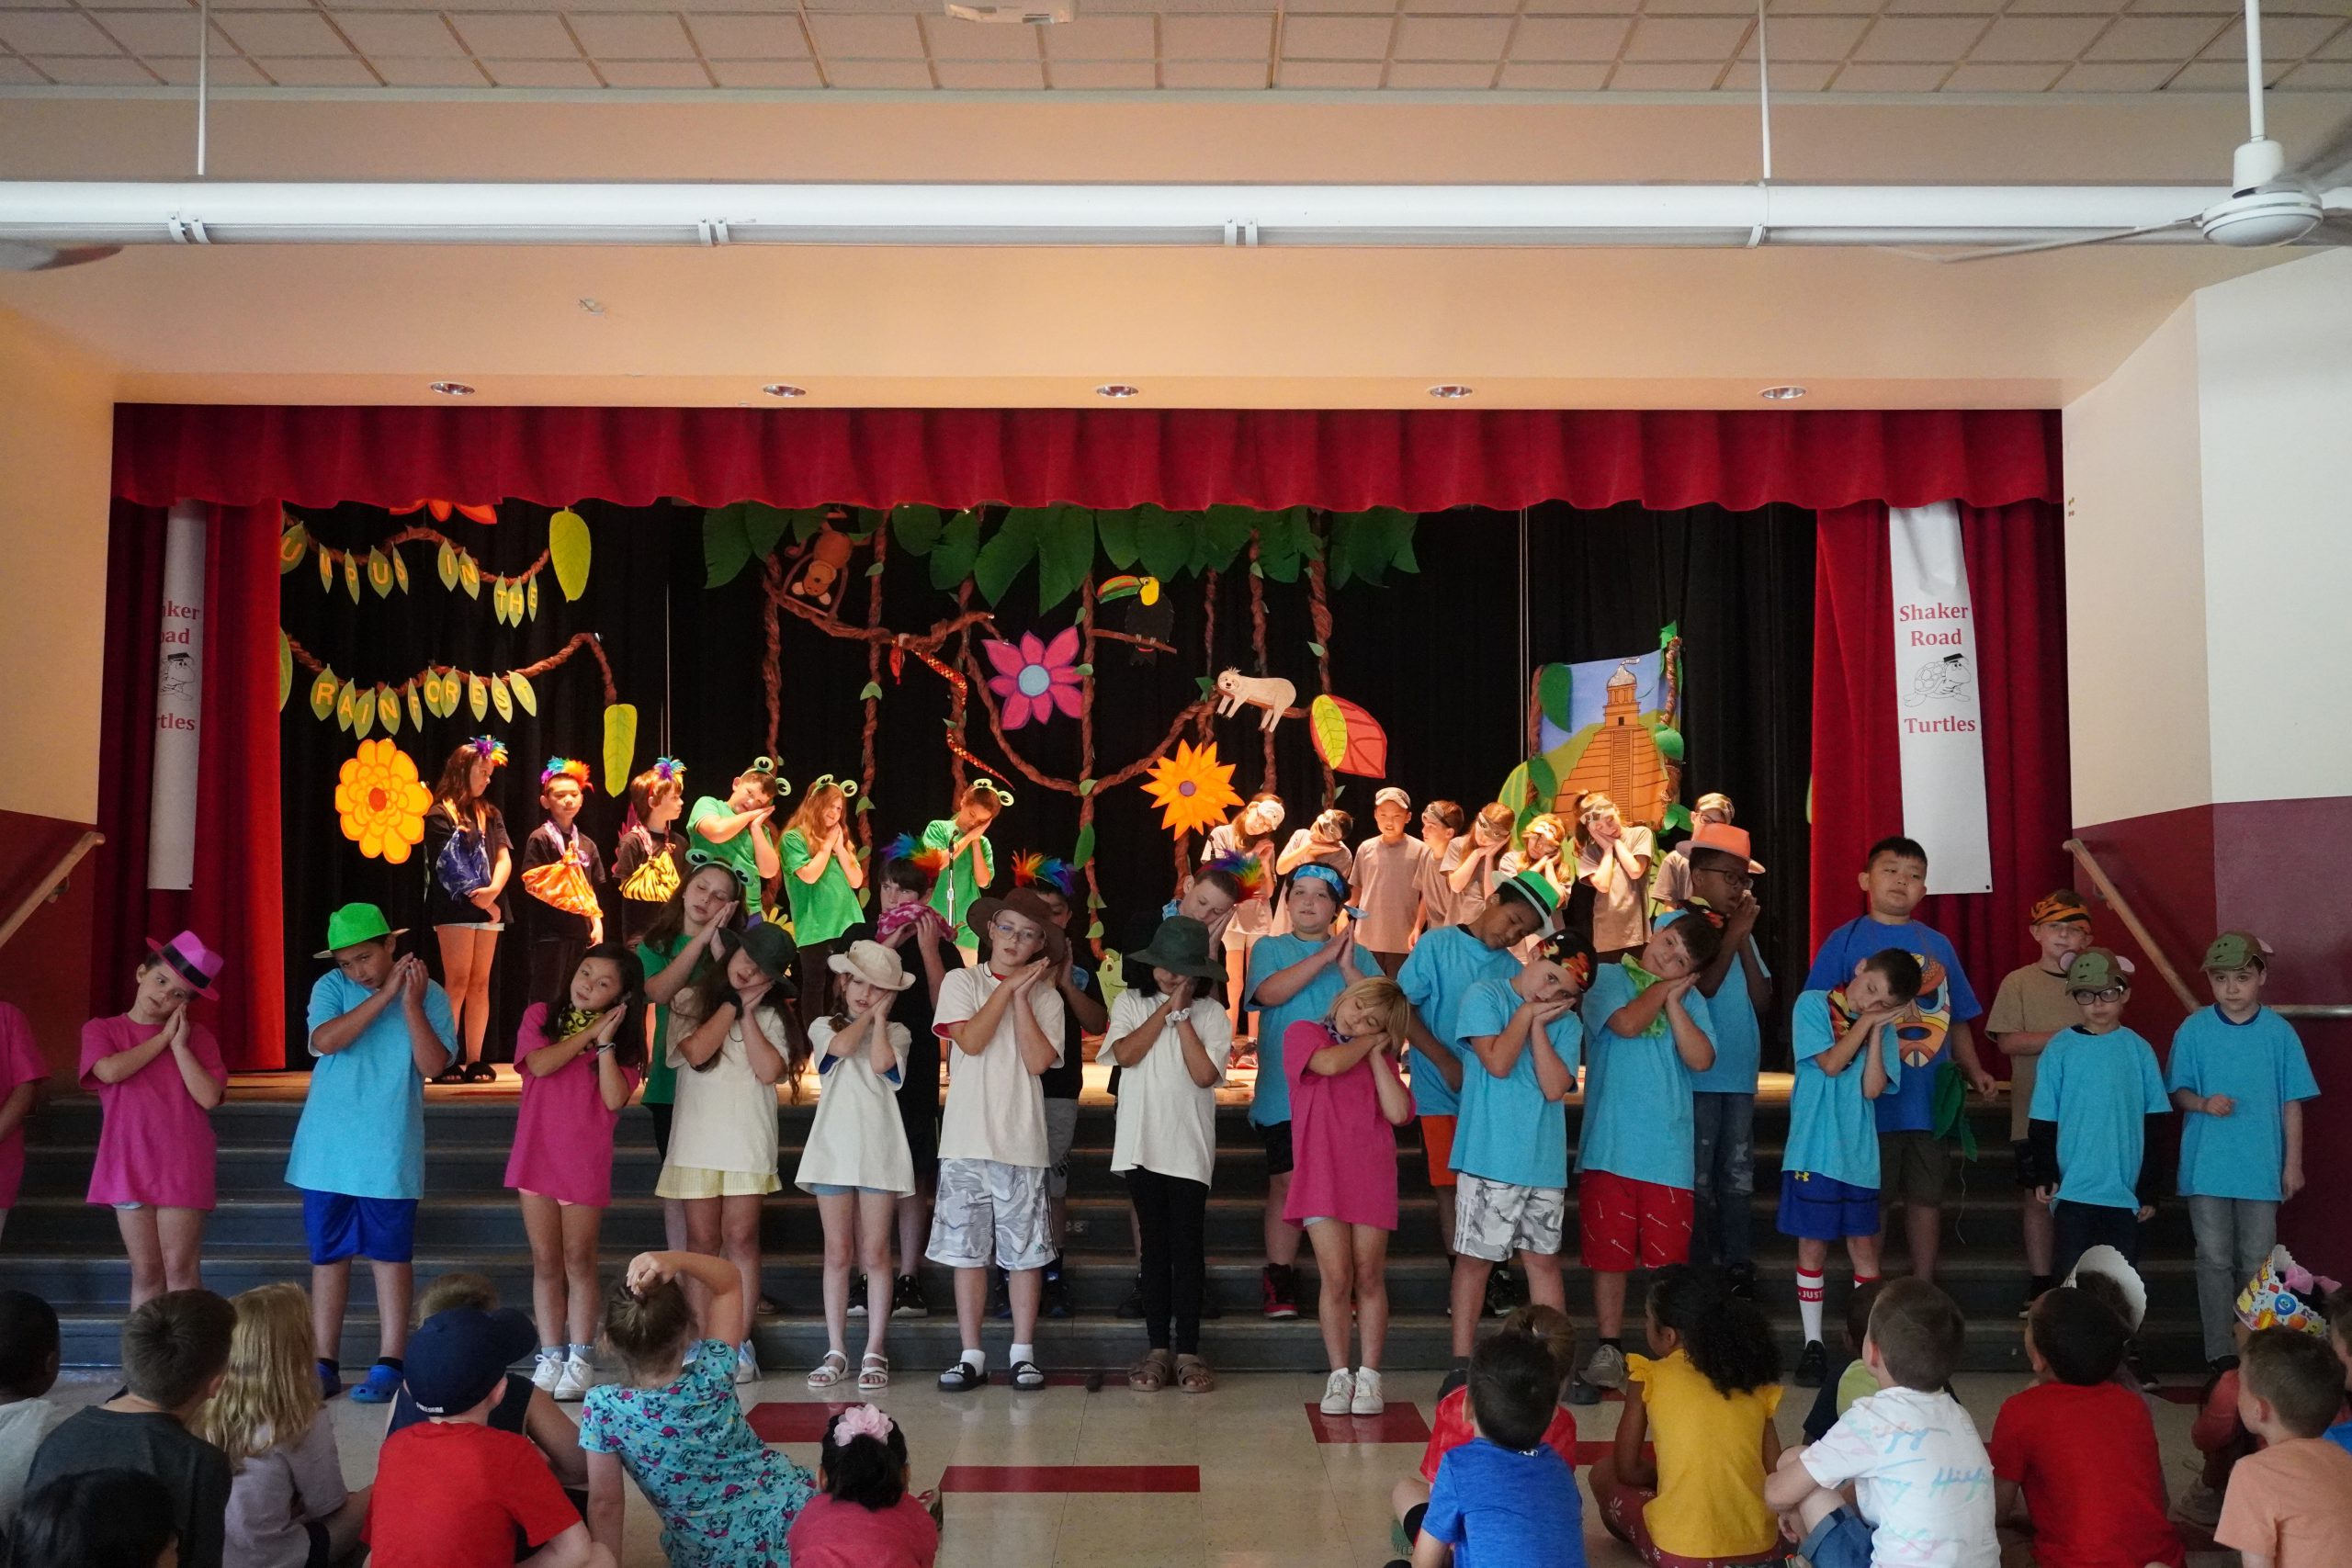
column 1450, row 1425
column 1708, row 1396
column 287, row 1503
column 29, row 1355
column 1853, row 1380
column 862, row 1516
column 2074, row 1458
column 2290, row 1504
column 1507, row 1497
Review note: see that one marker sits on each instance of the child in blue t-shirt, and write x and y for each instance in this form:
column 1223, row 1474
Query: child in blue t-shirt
column 1829, row 1171
column 1646, row 1035
column 1510, row 1144
column 1915, row 1164
column 2096, row 1089
column 379, row 1029
column 1719, row 875
column 2239, row 1077
column 1506, row 1499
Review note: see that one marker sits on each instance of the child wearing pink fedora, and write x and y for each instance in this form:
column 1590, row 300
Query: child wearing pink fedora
column 158, row 1073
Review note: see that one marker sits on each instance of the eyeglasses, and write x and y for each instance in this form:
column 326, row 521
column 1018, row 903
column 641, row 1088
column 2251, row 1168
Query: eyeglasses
column 1014, row 931
column 1737, row 878
column 2112, row 994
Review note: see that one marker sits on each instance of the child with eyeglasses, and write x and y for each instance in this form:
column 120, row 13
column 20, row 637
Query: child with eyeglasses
column 2097, row 1087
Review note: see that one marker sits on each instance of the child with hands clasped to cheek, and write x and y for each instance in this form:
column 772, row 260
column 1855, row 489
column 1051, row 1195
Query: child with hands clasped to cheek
column 580, row 1055
column 855, row 1161
column 158, row 1074
column 1346, row 1098
column 734, row 831
column 2096, row 1085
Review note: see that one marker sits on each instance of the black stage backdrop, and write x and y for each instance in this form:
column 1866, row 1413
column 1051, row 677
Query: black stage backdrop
column 1434, row 655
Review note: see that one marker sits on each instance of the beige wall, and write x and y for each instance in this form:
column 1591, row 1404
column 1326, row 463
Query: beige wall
column 56, row 424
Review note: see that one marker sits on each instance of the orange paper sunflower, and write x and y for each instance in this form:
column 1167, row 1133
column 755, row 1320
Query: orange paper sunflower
column 1192, row 789
column 381, row 801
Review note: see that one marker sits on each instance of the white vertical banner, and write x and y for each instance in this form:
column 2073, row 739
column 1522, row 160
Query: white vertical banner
column 179, row 703
column 1938, row 715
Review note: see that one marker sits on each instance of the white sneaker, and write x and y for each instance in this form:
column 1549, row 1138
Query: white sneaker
column 547, row 1372
column 1367, row 1401
column 746, row 1364
column 1605, row 1368
column 578, row 1378
column 1339, row 1392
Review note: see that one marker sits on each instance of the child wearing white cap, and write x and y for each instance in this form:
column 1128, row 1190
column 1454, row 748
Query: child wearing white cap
column 1391, row 870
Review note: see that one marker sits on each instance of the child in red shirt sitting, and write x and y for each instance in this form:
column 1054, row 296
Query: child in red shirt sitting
column 1450, row 1427
column 453, row 1492
column 2075, row 1457
column 862, row 1516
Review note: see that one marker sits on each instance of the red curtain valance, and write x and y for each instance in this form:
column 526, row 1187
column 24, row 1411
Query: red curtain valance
column 1344, row 461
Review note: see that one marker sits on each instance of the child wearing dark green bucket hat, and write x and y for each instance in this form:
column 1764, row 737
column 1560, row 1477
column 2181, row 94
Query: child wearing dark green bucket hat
column 378, row 1028
column 1172, row 1043
column 2097, row 1085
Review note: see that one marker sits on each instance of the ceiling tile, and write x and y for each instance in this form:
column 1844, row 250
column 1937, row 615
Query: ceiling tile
column 1569, row 37
column 877, row 74
column 16, row 72
column 1453, row 38
column 2168, row 38
column 1929, row 40
column 230, row 72
column 1812, row 37
column 56, row 32
column 766, row 73
column 653, row 74
column 1212, row 75
column 1710, row 39
column 990, row 75
column 749, row 38
column 2326, row 76
column 2283, row 38
column 1103, row 76
column 1101, row 37
column 2224, row 75
column 2100, row 76
column 866, row 38
column 1824, row 9
column 1873, row 77
column 1583, row 8
column 1424, row 77
column 952, row 39
column 632, row 38
column 459, row 72
column 393, row 37
column 2337, row 48
column 1239, row 7
column 148, row 33
column 2060, row 38
column 1326, row 74
column 1943, row 8
column 2003, row 78
column 497, row 37
column 1646, row 78
column 540, row 73
column 2200, row 7
column 287, row 33
column 1555, row 78
column 2064, row 7
column 862, row 7
column 1358, row 8
column 83, row 71
column 1335, row 38
column 348, row 72
column 1461, row 7
column 1215, row 37
column 1709, row 7
column 1788, row 76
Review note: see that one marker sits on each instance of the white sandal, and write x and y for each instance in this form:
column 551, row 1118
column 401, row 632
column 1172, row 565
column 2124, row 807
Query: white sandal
column 828, row 1372
column 873, row 1373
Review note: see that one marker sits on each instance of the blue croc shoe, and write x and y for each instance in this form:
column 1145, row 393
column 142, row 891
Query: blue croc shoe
column 383, row 1383
column 330, row 1379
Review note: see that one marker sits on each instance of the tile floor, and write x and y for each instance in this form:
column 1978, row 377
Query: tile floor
column 1234, row 1479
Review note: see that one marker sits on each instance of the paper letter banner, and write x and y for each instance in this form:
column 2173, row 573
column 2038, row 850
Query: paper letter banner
column 179, row 703
column 1938, row 715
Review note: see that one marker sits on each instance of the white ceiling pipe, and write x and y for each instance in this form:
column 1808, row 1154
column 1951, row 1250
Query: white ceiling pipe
column 83, row 213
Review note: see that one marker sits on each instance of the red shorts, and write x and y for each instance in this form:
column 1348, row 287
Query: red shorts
column 1623, row 1224
column 1437, row 1143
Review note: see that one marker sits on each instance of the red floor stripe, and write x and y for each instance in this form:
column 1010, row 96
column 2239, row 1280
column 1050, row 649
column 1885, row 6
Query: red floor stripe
column 796, row 1421
column 1398, row 1423
column 1590, row 1450
column 1071, row 1478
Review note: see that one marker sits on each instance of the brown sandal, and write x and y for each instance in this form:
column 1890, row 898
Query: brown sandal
column 1192, row 1375
column 1152, row 1373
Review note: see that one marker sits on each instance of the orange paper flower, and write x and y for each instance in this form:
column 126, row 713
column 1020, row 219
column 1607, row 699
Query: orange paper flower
column 381, row 801
column 1192, row 789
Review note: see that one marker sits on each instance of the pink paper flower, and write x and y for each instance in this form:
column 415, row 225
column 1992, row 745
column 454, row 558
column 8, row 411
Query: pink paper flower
column 1034, row 679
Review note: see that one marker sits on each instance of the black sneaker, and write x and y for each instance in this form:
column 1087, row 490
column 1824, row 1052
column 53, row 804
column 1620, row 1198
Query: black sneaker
column 2140, row 1375
column 1813, row 1365
column 1132, row 1308
column 1278, row 1287
column 1502, row 1292
column 1054, row 1299
column 907, row 1298
column 1740, row 1279
column 857, row 1295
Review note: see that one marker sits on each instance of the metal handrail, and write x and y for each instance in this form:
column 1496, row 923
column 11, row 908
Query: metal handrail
column 90, row 840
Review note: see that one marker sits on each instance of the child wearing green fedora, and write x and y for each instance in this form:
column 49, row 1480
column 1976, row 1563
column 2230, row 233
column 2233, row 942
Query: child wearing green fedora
column 378, row 1030
column 1173, row 1044
column 2096, row 1085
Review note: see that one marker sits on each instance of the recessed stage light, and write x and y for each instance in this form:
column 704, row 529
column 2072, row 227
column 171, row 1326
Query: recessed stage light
column 783, row 389
column 451, row 388
column 1782, row 394
column 1450, row 389
column 1117, row 389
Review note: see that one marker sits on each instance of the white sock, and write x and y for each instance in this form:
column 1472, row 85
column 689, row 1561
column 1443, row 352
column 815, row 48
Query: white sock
column 975, row 1360
column 1021, row 1353
column 1809, row 1294
column 550, row 1352
column 583, row 1352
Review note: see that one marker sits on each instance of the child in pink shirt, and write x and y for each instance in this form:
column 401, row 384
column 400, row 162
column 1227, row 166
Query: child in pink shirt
column 22, row 1073
column 862, row 1516
column 581, row 1055
column 158, row 1073
column 1345, row 1103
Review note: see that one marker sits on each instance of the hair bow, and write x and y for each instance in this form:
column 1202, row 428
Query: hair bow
column 863, row 1421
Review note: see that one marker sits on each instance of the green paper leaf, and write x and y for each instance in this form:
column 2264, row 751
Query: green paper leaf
column 1163, row 543
column 1083, row 668
column 1669, row 742
column 1085, row 849
column 525, row 694
column 469, row 574
column 959, row 545
column 1207, row 686
column 726, row 548
column 807, row 521
column 400, row 570
column 292, row 545
column 415, row 705
column 1286, row 542
column 1065, row 553
column 1012, row 546
column 285, row 669
column 874, row 571
column 1668, row 632
column 1094, row 931
column 323, row 686
column 446, row 561
column 351, row 577
column 1226, row 532
column 501, row 699
column 326, row 570
column 363, row 714
column 388, row 709
column 1093, row 900
column 1541, row 779
column 1086, row 787
column 916, row 529
column 620, row 745
column 1317, row 649
column 1118, row 534
column 764, row 527
column 870, row 691
column 531, row 597
column 865, row 804
column 478, row 696
column 379, row 574
column 569, row 551
column 1554, row 685
column 1678, row 815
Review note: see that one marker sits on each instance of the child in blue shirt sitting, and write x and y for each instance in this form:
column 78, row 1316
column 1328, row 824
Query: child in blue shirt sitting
column 1505, row 1499
column 2239, row 1077
column 2097, row 1087
column 1846, row 1058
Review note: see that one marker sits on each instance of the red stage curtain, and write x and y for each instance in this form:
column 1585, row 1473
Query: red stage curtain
column 1344, row 460
column 2016, row 581
column 235, row 904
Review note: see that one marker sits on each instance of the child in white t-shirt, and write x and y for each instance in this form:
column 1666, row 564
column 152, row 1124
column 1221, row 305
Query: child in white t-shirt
column 856, row 1161
column 1922, row 1481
